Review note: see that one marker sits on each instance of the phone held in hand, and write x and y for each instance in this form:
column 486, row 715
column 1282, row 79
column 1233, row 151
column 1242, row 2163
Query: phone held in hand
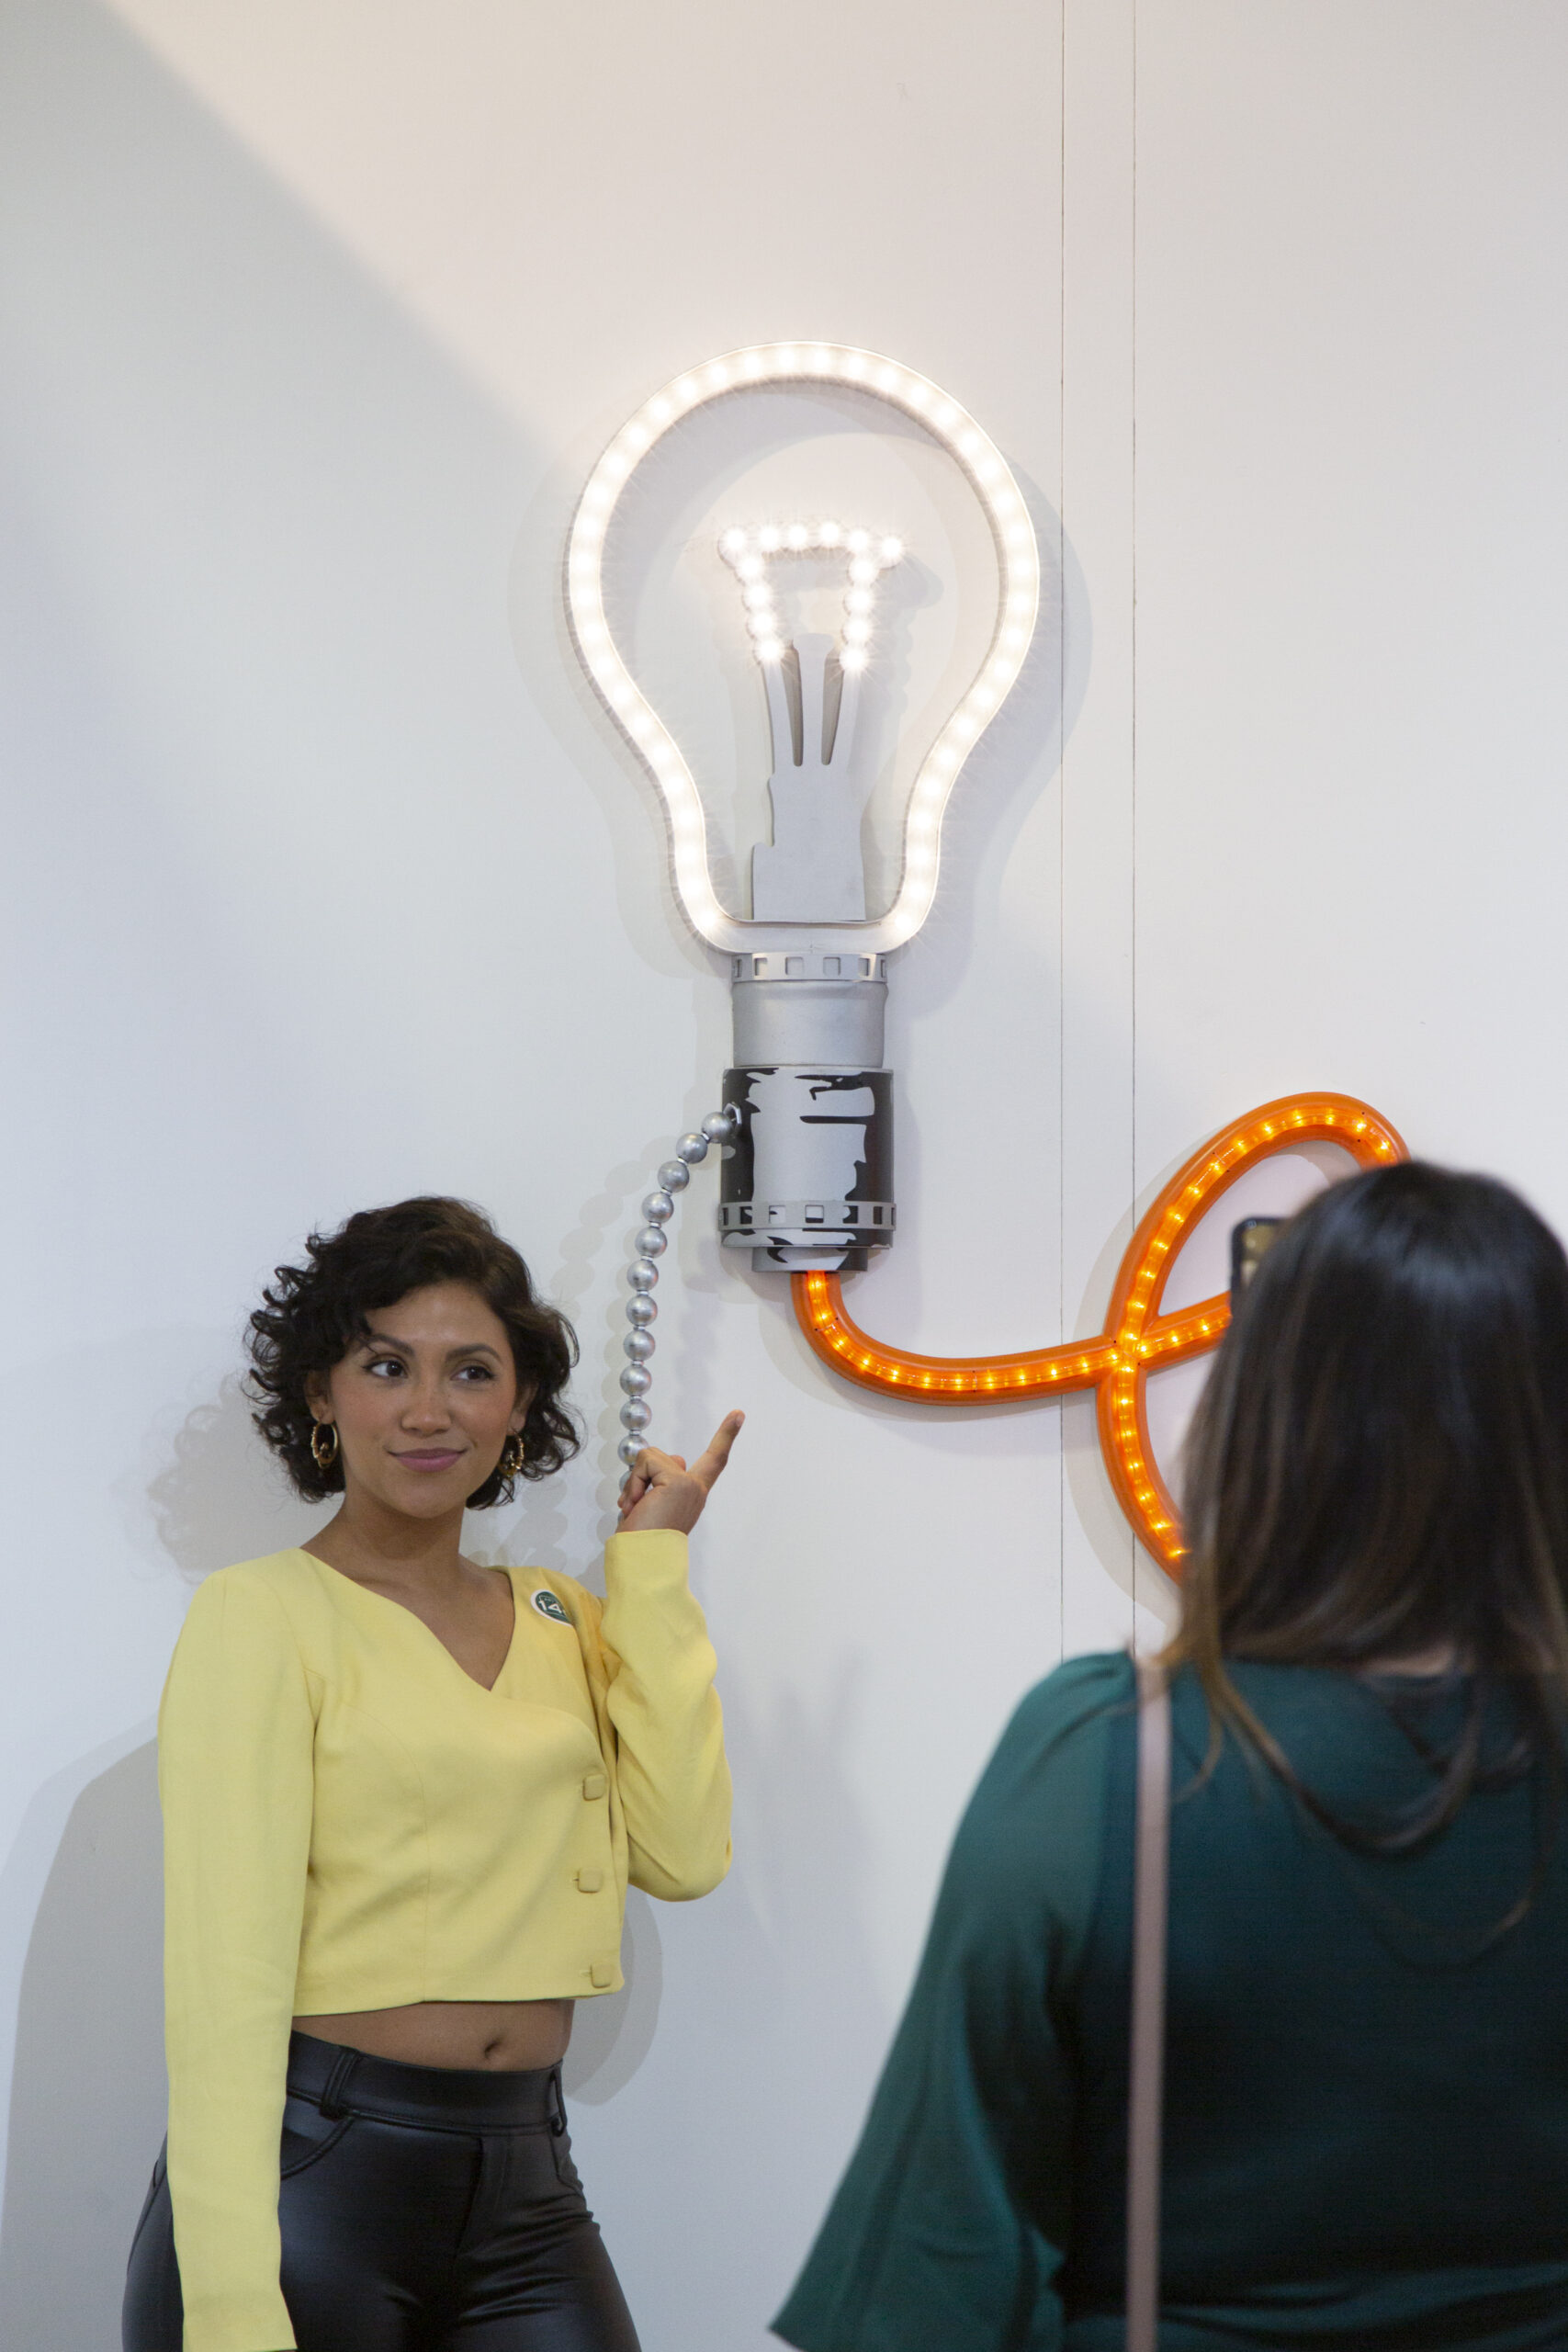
column 1250, row 1243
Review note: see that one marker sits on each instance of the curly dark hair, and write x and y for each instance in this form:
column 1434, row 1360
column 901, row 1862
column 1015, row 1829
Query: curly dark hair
column 312, row 1314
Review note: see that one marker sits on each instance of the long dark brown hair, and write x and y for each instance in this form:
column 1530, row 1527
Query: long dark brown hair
column 1379, row 1467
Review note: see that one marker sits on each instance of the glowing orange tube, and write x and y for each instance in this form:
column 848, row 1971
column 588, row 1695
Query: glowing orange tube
column 1138, row 1338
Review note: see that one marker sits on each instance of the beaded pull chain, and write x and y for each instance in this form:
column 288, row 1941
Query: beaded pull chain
column 642, row 1274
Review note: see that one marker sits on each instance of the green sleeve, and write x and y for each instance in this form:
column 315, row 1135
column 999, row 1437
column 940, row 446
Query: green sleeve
column 951, row 2224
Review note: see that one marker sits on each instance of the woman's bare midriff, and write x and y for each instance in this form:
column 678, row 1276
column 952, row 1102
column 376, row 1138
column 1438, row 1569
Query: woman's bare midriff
column 510, row 2036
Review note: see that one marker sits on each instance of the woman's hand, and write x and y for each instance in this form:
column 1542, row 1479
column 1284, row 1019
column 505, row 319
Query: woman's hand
column 661, row 1491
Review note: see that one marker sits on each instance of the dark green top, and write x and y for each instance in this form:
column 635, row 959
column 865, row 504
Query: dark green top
column 1366, row 2137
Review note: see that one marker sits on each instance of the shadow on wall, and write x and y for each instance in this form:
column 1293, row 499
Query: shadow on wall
column 218, row 1495
column 90, row 2085
column 610, row 2037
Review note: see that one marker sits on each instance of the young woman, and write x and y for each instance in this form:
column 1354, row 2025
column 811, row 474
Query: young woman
column 403, row 1797
column 1366, row 2125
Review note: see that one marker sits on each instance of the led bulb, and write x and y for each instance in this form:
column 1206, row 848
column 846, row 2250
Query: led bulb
column 750, row 552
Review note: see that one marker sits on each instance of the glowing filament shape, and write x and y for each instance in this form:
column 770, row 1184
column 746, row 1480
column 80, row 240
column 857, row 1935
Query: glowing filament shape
column 866, row 555
column 812, row 871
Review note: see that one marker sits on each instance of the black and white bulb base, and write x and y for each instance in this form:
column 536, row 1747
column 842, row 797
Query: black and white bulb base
column 810, row 1183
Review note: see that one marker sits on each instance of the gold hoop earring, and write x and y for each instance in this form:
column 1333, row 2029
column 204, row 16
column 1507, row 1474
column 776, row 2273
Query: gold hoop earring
column 513, row 1455
column 324, row 1444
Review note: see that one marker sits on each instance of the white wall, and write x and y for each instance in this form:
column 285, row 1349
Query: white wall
column 326, row 882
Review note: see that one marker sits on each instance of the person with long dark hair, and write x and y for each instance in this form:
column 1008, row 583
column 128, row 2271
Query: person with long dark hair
column 403, row 1795
column 1366, row 2088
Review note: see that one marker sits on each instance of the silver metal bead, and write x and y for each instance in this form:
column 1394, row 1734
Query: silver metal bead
column 651, row 1242
column 673, row 1176
column 658, row 1209
column 641, row 1275
column 719, row 1126
column 636, row 1416
column 628, row 1449
column 635, row 1381
column 638, row 1345
column 692, row 1148
column 640, row 1312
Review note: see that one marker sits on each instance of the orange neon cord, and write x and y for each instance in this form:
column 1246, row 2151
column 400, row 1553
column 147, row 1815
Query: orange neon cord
column 1137, row 1339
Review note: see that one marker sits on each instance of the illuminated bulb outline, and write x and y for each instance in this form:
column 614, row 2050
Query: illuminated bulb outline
column 1137, row 1339
column 1018, row 607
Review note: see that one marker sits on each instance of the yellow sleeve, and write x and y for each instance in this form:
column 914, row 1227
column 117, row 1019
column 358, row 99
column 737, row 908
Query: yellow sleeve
column 671, row 1766
column 236, row 1734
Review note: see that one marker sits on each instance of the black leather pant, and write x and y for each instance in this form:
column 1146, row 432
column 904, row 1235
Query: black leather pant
column 423, row 2210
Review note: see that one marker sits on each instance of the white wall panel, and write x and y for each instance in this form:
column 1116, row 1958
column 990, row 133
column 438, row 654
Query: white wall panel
column 326, row 882
column 1352, row 499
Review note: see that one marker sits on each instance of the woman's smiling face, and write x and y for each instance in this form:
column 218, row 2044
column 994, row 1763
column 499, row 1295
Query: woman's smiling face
column 424, row 1402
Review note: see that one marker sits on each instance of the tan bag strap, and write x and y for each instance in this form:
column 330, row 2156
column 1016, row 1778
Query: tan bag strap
column 1151, row 1871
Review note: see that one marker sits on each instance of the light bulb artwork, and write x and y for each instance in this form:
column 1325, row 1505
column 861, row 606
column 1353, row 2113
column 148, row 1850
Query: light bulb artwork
column 805, row 1127
column 1138, row 1338
column 807, row 1181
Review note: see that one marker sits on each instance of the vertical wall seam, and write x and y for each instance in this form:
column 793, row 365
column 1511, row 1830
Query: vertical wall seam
column 1062, row 823
column 1140, row 1562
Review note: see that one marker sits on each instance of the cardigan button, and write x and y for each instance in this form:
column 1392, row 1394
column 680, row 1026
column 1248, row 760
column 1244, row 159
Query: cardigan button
column 601, row 1975
column 594, row 1785
column 590, row 1880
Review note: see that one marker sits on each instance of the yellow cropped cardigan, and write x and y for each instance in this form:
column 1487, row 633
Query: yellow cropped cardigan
column 351, row 1822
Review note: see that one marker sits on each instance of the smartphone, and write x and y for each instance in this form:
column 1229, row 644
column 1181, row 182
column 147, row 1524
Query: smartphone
column 1250, row 1243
